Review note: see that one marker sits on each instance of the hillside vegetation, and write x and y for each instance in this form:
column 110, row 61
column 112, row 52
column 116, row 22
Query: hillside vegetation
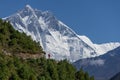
column 13, row 41
column 14, row 68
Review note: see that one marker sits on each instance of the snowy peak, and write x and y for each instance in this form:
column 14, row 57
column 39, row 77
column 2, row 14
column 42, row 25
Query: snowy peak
column 56, row 38
column 100, row 48
column 28, row 6
column 28, row 10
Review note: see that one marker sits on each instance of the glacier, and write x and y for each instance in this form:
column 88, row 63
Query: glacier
column 56, row 38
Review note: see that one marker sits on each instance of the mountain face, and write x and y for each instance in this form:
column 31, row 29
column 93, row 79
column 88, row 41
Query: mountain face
column 116, row 77
column 56, row 38
column 102, row 67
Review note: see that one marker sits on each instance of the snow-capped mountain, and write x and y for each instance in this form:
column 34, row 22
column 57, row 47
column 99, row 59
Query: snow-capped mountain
column 56, row 38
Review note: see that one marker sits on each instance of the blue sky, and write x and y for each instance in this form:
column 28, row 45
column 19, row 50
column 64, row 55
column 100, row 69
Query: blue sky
column 97, row 19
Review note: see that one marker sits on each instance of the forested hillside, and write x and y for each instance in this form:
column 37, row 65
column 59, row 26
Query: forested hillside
column 12, row 41
column 13, row 67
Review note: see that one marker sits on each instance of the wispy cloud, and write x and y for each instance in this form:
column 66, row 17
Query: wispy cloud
column 98, row 62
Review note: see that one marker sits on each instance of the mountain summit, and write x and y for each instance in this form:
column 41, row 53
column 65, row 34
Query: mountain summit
column 56, row 38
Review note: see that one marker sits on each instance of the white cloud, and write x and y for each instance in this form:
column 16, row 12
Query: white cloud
column 98, row 62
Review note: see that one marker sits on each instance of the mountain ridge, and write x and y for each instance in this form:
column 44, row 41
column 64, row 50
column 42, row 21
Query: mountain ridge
column 102, row 67
column 116, row 77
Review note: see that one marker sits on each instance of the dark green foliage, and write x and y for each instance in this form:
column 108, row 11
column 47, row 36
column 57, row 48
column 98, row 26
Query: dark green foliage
column 81, row 75
column 66, row 71
column 13, row 68
column 15, row 42
column 92, row 78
